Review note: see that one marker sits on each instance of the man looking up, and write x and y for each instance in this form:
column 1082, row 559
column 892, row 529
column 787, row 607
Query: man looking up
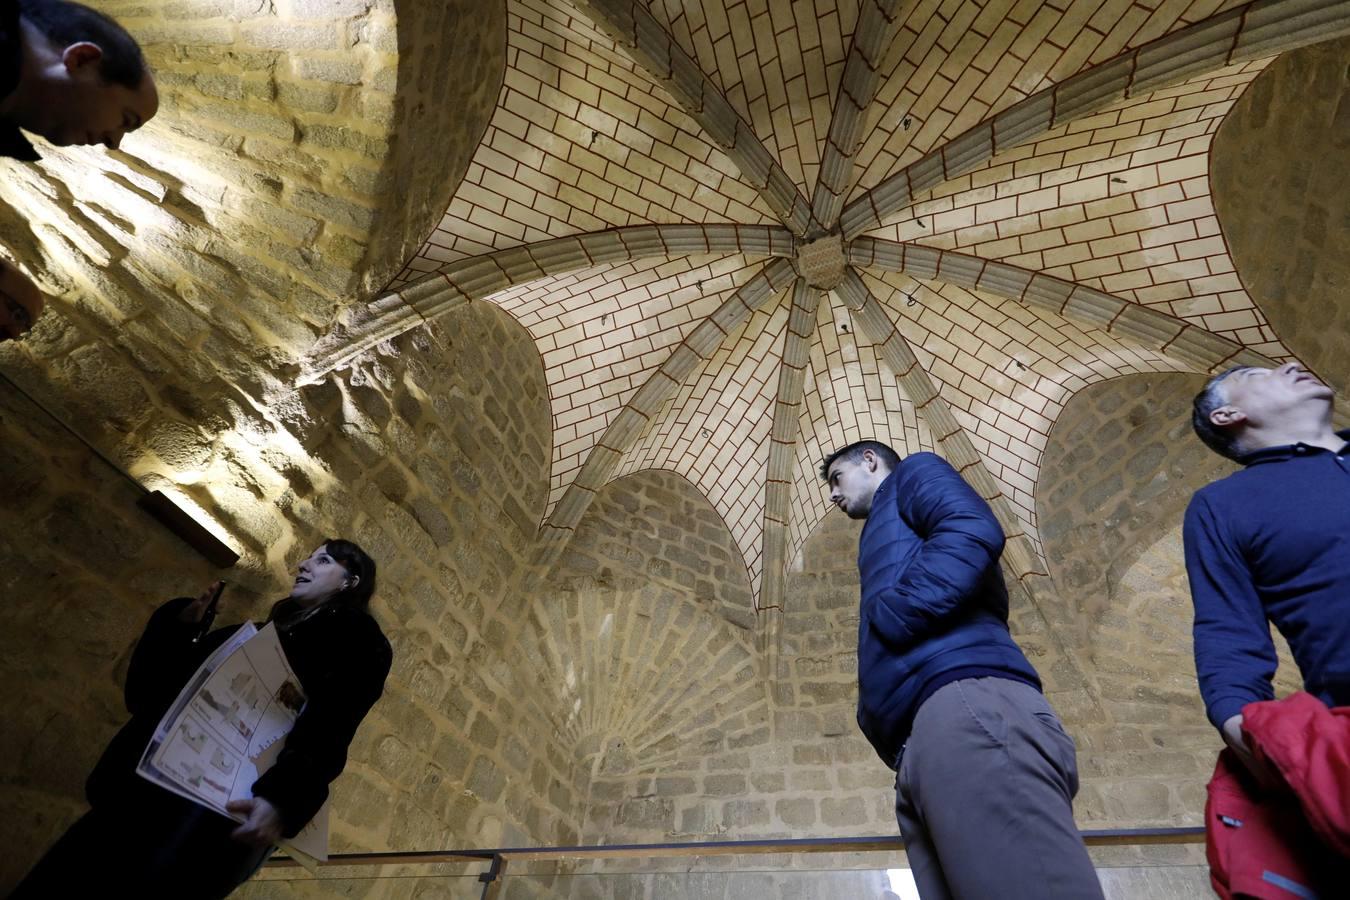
column 69, row 74
column 1269, row 543
column 985, row 773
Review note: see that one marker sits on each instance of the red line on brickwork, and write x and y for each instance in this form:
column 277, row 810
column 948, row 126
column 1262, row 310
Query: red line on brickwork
column 1242, row 25
column 585, row 251
column 984, row 264
column 1112, row 324
column 1068, row 300
column 1185, row 325
column 872, row 202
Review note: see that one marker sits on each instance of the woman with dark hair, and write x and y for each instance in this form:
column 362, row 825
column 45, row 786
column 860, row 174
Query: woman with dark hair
column 160, row 845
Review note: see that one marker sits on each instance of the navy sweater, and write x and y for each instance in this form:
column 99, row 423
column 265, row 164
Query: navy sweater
column 934, row 605
column 1271, row 543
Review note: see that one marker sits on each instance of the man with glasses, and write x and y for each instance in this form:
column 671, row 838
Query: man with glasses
column 1267, row 544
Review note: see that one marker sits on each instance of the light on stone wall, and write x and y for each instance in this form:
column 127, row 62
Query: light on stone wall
column 178, row 513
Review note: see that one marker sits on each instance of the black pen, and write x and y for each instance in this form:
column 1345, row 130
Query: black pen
column 209, row 616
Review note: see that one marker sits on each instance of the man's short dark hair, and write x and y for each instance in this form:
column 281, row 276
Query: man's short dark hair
column 854, row 453
column 64, row 23
column 1221, row 440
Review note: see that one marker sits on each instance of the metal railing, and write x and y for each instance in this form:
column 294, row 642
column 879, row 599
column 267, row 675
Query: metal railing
column 499, row 858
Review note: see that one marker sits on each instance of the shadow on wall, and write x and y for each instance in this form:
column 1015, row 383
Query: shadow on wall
column 452, row 65
column 1119, row 468
column 1285, row 205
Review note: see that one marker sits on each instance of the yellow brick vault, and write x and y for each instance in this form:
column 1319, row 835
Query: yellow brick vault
column 557, row 304
column 1073, row 143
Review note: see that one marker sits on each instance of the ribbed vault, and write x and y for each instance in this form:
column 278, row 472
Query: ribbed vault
column 743, row 235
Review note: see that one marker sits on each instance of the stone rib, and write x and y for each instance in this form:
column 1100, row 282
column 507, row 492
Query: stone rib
column 1252, row 31
column 634, row 28
column 647, row 402
column 876, row 28
column 1193, row 347
column 459, row 282
column 952, row 440
column 801, row 326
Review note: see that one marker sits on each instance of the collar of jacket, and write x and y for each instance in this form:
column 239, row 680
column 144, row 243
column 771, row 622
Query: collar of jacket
column 1289, row 451
column 883, row 490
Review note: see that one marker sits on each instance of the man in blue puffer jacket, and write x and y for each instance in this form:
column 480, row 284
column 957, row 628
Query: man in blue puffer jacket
column 985, row 773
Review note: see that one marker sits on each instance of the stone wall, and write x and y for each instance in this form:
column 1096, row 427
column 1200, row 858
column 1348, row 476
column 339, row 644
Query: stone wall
column 1109, row 633
column 452, row 65
column 304, row 148
column 1120, row 468
column 302, row 151
column 1122, row 461
column 664, row 659
column 1282, row 197
column 80, row 569
column 807, row 772
column 619, row 698
column 418, row 455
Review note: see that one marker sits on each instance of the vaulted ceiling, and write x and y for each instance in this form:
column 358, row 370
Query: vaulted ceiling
column 745, row 232
column 740, row 234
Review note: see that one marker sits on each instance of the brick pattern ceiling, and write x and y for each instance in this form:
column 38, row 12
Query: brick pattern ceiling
column 744, row 232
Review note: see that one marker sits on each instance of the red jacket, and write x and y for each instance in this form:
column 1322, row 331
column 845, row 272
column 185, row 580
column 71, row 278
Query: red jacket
column 1309, row 745
column 1289, row 844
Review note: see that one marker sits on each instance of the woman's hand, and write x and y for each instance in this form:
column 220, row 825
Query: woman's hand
column 193, row 613
column 262, row 825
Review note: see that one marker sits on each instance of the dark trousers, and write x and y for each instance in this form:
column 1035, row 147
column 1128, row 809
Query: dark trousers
column 164, row 847
column 984, row 797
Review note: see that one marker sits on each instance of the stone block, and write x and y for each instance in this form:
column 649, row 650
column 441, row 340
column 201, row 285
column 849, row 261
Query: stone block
column 290, row 36
column 724, row 785
column 675, row 787
column 486, row 780
column 840, row 812
column 768, row 782
column 694, row 820
column 799, row 813
column 647, row 813
column 744, row 814
column 484, row 733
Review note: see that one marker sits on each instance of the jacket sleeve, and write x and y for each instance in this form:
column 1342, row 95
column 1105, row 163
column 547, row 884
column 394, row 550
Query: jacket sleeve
column 1235, row 657
column 315, row 751
column 961, row 539
column 163, row 660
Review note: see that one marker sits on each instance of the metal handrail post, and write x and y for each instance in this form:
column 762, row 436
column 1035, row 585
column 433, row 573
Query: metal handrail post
column 492, row 878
